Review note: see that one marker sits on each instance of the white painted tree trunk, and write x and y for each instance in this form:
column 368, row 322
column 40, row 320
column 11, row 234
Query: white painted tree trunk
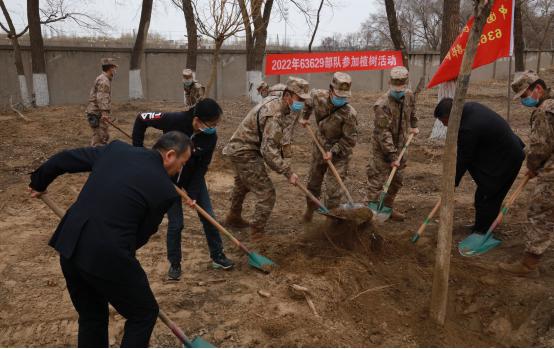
column 40, row 89
column 446, row 89
column 24, row 91
column 135, row 85
column 253, row 79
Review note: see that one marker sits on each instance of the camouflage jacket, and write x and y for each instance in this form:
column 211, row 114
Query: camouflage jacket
column 390, row 129
column 268, row 120
column 277, row 90
column 337, row 127
column 541, row 138
column 100, row 96
column 193, row 94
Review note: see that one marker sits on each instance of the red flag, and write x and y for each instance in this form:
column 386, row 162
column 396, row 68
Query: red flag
column 495, row 42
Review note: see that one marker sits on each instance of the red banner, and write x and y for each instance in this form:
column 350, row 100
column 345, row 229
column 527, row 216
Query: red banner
column 320, row 62
column 495, row 42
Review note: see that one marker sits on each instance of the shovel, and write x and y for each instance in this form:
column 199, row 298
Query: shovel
column 197, row 342
column 322, row 209
column 381, row 212
column 118, row 128
column 477, row 244
column 418, row 233
column 254, row 259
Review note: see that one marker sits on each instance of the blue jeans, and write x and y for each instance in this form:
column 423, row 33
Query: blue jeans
column 176, row 224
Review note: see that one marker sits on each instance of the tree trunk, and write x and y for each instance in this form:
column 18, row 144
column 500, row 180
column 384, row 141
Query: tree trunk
column 192, row 36
column 450, row 30
column 439, row 294
column 518, row 38
column 316, row 25
column 215, row 63
column 135, row 82
column 18, row 60
column 395, row 33
column 40, row 80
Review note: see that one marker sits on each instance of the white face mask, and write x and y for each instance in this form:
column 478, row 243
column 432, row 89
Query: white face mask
column 187, row 82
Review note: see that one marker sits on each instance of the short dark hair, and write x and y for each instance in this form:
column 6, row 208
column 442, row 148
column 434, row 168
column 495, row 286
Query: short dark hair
column 173, row 140
column 443, row 108
column 538, row 82
column 207, row 110
column 107, row 67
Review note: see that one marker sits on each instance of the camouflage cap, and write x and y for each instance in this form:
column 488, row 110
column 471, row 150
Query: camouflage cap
column 108, row 61
column 341, row 84
column 262, row 84
column 187, row 73
column 522, row 81
column 299, row 86
column 399, row 78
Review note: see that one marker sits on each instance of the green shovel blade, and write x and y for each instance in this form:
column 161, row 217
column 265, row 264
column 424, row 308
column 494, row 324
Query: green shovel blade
column 477, row 244
column 260, row 262
column 199, row 342
column 382, row 214
column 414, row 238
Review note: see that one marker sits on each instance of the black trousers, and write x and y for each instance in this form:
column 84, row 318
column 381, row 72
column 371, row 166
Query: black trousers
column 90, row 296
column 489, row 202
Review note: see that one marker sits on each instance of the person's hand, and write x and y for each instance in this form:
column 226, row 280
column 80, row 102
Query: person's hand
column 105, row 118
column 304, row 122
column 531, row 174
column 190, row 202
column 328, row 156
column 293, row 179
column 35, row 194
column 415, row 131
column 395, row 163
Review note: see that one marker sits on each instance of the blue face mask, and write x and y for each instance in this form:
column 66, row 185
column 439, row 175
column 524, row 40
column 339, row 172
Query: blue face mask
column 209, row 130
column 398, row 95
column 529, row 102
column 297, row 106
column 187, row 83
column 338, row 101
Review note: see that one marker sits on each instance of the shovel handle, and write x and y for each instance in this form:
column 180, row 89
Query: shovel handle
column 508, row 204
column 311, row 196
column 57, row 209
column 428, row 218
column 331, row 166
column 395, row 169
column 118, row 128
column 219, row 227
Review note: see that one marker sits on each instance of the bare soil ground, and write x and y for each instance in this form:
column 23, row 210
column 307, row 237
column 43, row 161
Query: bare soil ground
column 365, row 297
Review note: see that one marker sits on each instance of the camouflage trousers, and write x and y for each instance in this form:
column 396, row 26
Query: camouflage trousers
column 251, row 176
column 100, row 134
column 378, row 171
column 540, row 230
column 320, row 172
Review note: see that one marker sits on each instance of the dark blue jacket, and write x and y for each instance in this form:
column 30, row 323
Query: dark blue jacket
column 192, row 174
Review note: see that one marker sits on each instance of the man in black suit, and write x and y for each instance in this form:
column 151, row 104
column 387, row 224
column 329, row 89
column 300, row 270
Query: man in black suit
column 121, row 205
column 490, row 151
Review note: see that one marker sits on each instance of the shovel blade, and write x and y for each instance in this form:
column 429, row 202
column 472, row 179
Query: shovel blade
column 260, row 262
column 380, row 215
column 414, row 238
column 477, row 244
column 199, row 342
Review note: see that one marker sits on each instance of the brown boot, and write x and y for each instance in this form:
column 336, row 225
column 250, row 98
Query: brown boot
column 309, row 213
column 235, row 220
column 256, row 233
column 528, row 264
column 397, row 216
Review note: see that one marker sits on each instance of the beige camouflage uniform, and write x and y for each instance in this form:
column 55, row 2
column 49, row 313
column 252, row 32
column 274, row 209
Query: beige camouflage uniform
column 540, row 160
column 277, row 90
column 249, row 154
column 193, row 93
column 337, row 132
column 263, row 89
column 390, row 133
column 99, row 102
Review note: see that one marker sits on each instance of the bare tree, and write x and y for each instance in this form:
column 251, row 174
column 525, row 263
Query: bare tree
column 40, row 80
column 539, row 15
column 450, row 30
column 395, row 33
column 192, row 32
column 316, row 25
column 518, row 38
column 220, row 21
column 135, row 82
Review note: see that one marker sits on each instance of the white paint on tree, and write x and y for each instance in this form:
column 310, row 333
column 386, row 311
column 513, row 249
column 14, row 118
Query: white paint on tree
column 446, row 89
column 24, row 91
column 40, row 89
column 135, row 85
column 253, row 79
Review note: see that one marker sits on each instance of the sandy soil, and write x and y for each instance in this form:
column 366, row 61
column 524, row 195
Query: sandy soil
column 365, row 296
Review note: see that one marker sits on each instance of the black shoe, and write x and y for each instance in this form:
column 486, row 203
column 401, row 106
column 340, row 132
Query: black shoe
column 222, row 262
column 174, row 272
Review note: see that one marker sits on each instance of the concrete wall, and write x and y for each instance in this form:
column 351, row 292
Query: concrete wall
column 71, row 71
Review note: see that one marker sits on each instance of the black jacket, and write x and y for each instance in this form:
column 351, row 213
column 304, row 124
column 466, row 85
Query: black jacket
column 487, row 147
column 195, row 169
column 120, row 206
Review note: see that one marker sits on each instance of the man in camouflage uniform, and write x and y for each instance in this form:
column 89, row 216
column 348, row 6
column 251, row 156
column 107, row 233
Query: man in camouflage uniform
column 540, row 163
column 193, row 90
column 276, row 90
column 100, row 103
column 394, row 119
column 258, row 142
column 263, row 89
column 337, row 132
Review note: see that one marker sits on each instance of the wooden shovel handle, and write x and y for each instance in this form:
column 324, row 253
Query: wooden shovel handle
column 509, row 203
column 395, row 169
column 331, row 166
column 311, row 196
column 118, row 128
column 57, row 209
column 429, row 217
column 218, row 226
